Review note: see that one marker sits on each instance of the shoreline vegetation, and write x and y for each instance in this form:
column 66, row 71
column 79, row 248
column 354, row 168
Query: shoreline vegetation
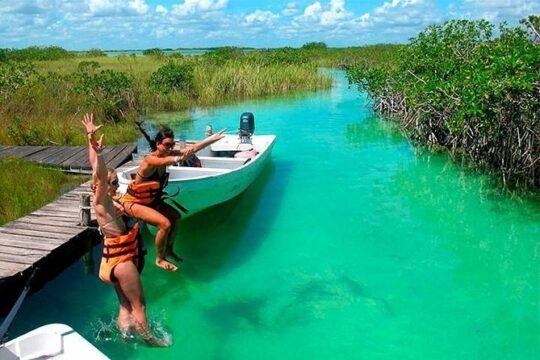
column 44, row 91
column 469, row 89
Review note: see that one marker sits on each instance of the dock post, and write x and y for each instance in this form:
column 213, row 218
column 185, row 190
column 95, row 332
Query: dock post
column 85, row 210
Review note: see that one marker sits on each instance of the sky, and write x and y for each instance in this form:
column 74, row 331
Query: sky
column 143, row 24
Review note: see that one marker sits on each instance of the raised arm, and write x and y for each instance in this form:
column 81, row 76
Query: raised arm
column 208, row 141
column 192, row 149
column 95, row 148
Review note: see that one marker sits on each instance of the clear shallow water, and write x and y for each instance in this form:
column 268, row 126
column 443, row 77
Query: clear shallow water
column 349, row 246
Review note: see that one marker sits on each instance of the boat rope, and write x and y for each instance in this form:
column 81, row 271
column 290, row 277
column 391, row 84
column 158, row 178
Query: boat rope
column 13, row 312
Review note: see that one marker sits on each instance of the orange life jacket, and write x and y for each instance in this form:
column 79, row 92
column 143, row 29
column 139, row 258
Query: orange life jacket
column 117, row 250
column 144, row 193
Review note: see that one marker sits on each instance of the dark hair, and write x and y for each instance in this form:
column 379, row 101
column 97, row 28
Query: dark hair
column 163, row 133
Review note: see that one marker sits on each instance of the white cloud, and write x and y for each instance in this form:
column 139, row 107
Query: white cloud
column 160, row 9
column 260, row 17
column 290, row 9
column 117, row 7
column 332, row 14
column 139, row 6
column 312, row 11
column 496, row 10
column 407, row 16
column 190, row 7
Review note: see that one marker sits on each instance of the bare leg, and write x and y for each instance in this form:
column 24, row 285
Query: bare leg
column 124, row 314
column 174, row 217
column 154, row 217
column 129, row 284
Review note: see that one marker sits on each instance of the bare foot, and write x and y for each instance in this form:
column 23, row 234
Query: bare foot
column 164, row 264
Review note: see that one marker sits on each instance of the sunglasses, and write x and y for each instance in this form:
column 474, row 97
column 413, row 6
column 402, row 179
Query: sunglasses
column 114, row 182
column 168, row 145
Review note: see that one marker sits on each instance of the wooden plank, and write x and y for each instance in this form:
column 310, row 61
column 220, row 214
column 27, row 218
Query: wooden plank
column 34, row 234
column 45, row 228
column 23, row 151
column 125, row 155
column 53, row 219
column 70, row 212
column 20, row 259
column 74, row 155
column 28, row 244
column 30, row 239
column 60, row 154
column 108, row 150
column 41, row 155
column 10, row 269
column 75, row 159
column 113, row 153
column 11, row 250
column 30, row 220
column 66, row 153
column 58, row 209
column 55, row 215
column 4, row 149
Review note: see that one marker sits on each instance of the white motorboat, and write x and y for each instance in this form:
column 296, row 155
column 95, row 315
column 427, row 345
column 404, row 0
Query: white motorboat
column 229, row 166
column 53, row 341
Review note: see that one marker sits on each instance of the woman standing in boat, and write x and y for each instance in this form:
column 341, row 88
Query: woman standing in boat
column 143, row 199
column 122, row 258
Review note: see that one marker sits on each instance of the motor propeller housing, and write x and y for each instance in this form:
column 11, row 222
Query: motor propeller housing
column 247, row 127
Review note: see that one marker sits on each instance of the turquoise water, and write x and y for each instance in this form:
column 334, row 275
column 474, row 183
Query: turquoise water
column 351, row 245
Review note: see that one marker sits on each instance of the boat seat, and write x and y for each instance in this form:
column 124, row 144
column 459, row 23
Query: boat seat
column 210, row 162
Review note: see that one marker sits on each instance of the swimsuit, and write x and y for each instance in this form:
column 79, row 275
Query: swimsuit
column 120, row 249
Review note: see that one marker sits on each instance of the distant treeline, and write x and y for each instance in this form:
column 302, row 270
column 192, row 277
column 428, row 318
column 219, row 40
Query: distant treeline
column 317, row 53
column 35, row 53
column 471, row 89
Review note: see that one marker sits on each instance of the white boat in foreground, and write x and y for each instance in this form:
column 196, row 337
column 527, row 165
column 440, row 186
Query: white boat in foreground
column 223, row 174
column 53, row 341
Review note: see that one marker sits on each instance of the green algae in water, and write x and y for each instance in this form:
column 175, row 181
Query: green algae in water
column 351, row 245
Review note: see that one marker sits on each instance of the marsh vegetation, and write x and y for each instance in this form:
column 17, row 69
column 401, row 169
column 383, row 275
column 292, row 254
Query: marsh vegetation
column 471, row 89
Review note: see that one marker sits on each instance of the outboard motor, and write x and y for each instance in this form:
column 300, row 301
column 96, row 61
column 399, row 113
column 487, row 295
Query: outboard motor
column 247, row 127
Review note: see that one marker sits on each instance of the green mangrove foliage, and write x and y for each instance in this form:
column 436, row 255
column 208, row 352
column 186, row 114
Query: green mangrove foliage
column 14, row 75
column 154, row 52
column 466, row 88
column 173, row 77
column 35, row 53
column 108, row 91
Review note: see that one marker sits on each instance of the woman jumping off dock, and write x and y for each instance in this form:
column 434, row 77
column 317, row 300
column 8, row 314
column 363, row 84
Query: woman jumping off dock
column 122, row 256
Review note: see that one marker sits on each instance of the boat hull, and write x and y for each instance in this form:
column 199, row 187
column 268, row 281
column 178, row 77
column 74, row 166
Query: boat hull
column 53, row 341
column 199, row 188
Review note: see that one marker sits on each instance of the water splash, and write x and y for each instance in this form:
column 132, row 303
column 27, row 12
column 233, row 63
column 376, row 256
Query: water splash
column 107, row 331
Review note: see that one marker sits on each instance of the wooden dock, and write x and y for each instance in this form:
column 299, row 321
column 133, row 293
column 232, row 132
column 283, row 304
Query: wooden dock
column 70, row 158
column 50, row 238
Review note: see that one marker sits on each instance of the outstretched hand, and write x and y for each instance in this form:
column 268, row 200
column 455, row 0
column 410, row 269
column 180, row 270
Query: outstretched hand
column 218, row 136
column 88, row 122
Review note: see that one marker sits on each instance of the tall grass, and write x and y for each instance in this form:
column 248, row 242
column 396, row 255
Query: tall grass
column 49, row 102
column 27, row 187
column 240, row 80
